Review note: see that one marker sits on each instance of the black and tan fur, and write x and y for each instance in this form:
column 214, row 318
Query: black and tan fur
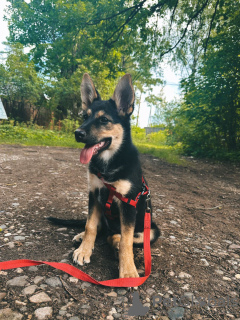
column 118, row 162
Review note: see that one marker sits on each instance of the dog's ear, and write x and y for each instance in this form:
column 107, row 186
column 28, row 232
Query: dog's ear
column 124, row 95
column 88, row 92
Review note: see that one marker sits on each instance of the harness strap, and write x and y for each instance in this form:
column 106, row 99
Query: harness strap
column 113, row 192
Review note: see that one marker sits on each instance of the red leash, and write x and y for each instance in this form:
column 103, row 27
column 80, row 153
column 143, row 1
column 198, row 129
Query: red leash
column 121, row 282
column 74, row 272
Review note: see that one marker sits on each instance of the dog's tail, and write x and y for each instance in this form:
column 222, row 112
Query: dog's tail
column 68, row 223
column 138, row 238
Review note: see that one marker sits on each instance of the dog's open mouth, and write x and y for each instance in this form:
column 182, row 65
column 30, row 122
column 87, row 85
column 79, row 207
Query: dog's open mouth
column 91, row 150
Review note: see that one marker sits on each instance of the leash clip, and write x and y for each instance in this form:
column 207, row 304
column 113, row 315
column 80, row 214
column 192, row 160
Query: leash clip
column 148, row 201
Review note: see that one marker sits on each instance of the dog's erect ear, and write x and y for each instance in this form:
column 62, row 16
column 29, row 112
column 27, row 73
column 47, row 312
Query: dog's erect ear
column 124, row 95
column 88, row 92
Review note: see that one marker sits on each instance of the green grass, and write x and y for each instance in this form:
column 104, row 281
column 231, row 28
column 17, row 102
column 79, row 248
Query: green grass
column 36, row 137
column 32, row 136
column 166, row 153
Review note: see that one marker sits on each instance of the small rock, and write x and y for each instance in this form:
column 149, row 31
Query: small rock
column 43, row 313
column 204, row 262
column 117, row 315
column 74, row 318
column 19, row 270
column 185, row 287
column 208, row 248
column 110, row 317
column 19, row 238
column 3, row 226
column 40, row 297
column 11, row 245
column 73, row 280
column 38, row 279
column 227, row 279
column 219, row 271
column 183, row 275
column 54, row 282
column 15, row 204
column 176, row 313
column 33, row 268
column 20, row 303
column 197, row 316
column 8, row 314
column 112, row 294
column 234, row 247
column 121, row 292
column 237, row 276
column 188, row 295
column 171, row 273
column 27, row 244
column 85, row 285
column 61, row 229
column 18, row 281
column 29, row 290
column 150, row 291
column 113, row 310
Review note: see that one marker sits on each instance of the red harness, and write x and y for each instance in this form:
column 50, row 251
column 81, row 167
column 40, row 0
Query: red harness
column 113, row 192
column 71, row 270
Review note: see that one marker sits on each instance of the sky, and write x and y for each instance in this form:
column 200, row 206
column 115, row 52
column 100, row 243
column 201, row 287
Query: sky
column 170, row 90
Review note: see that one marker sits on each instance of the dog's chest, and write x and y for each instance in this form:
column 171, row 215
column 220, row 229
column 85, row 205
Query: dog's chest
column 101, row 192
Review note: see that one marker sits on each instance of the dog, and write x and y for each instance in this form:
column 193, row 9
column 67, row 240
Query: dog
column 110, row 153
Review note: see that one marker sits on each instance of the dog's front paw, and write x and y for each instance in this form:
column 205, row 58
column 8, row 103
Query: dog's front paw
column 128, row 271
column 82, row 254
column 79, row 237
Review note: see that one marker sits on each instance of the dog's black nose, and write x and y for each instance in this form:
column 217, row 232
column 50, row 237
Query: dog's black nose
column 80, row 134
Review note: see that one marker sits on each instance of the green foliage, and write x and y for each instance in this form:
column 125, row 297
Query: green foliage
column 69, row 126
column 208, row 120
column 35, row 136
column 30, row 134
column 20, row 85
column 109, row 38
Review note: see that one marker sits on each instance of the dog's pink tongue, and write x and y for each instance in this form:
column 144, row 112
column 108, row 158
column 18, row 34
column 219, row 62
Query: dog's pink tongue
column 86, row 154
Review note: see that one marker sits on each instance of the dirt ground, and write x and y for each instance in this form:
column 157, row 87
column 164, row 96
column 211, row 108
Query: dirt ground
column 196, row 206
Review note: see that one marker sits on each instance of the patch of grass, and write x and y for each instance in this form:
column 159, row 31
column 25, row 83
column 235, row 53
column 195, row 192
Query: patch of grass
column 166, row 153
column 36, row 137
column 154, row 144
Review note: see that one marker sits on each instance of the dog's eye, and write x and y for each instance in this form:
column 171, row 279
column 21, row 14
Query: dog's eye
column 85, row 116
column 104, row 120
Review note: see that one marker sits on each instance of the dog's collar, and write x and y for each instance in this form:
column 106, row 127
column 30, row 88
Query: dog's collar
column 112, row 192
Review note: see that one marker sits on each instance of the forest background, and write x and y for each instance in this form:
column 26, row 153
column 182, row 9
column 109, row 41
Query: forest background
column 39, row 86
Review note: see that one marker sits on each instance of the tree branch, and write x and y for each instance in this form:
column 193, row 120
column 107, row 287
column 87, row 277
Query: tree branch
column 172, row 15
column 97, row 21
column 210, row 28
column 185, row 30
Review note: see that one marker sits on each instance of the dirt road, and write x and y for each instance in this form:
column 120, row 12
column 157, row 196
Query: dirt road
column 197, row 207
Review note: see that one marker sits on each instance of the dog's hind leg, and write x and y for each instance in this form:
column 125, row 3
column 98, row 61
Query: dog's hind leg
column 114, row 242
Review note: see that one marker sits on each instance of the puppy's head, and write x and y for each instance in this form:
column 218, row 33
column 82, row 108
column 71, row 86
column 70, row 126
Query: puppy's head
column 105, row 122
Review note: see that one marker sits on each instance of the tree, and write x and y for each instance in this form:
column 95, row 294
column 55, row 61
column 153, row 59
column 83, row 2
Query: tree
column 208, row 121
column 21, row 88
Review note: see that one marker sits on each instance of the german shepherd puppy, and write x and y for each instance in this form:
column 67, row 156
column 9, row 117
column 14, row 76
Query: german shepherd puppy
column 106, row 132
